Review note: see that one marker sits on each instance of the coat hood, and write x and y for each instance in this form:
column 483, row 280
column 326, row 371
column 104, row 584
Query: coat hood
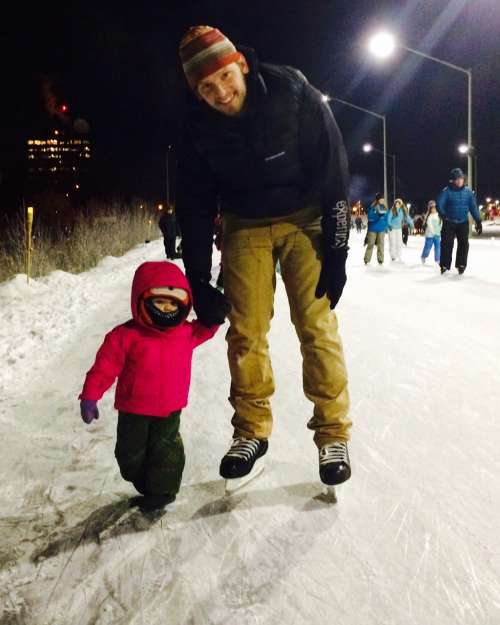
column 156, row 274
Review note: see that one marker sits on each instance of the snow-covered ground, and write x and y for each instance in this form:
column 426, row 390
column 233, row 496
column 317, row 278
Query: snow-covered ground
column 414, row 538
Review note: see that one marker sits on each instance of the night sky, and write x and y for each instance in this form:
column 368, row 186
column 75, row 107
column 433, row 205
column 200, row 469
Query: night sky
column 116, row 66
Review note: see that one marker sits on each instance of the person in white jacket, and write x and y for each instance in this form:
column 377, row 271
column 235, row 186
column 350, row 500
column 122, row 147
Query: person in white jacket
column 432, row 225
column 396, row 217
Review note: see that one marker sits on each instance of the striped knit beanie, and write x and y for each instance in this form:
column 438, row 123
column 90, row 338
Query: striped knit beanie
column 203, row 51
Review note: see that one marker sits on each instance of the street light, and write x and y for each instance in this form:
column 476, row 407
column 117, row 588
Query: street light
column 488, row 199
column 383, row 44
column 463, row 149
column 367, row 148
column 378, row 116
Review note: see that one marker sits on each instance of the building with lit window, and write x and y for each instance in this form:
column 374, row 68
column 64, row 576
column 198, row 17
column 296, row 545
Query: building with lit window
column 59, row 162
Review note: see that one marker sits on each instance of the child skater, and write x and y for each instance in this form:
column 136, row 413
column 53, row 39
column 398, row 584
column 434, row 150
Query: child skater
column 151, row 357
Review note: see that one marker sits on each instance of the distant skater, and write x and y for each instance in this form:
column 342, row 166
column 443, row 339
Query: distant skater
column 396, row 217
column 454, row 204
column 377, row 227
column 432, row 229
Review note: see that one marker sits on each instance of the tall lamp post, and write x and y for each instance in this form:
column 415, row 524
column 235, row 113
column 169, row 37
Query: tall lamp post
column 383, row 44
column 367, row 148
column 326, row 98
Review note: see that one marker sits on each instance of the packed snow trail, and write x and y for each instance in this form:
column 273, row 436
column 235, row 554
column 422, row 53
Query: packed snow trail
column 413, row 539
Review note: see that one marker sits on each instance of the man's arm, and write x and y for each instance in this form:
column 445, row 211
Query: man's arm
column 441, row 203
column 325, row 159
column 474, row 211
column 195, row 209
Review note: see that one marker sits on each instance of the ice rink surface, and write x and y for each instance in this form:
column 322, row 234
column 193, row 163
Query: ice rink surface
column 413, row 540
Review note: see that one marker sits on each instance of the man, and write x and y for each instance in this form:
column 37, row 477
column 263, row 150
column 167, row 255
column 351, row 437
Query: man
column 454, row 204
column 168, row 227
column 262, row 138
column 377, row 227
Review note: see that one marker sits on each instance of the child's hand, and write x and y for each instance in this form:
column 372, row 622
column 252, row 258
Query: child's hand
column 88, row 410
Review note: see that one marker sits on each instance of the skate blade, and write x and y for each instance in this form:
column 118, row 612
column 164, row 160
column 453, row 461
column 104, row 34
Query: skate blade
column 237, row 483
column 329, row 494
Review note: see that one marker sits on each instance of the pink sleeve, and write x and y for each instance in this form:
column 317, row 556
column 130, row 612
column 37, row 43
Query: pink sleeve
column 109, row 362
column 202, row 333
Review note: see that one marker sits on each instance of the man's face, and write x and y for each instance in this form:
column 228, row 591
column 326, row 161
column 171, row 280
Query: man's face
column 225, row 90
column 459, row 182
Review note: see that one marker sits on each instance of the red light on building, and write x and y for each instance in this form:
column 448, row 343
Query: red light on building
column 64, row 108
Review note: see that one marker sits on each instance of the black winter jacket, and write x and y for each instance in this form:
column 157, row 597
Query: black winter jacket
column 168, row 225
column 282, row 153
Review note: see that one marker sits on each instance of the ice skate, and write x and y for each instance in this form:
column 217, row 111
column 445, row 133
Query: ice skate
column 155, row 503
column 237, row 483
column 243, row 462
column 334, row 466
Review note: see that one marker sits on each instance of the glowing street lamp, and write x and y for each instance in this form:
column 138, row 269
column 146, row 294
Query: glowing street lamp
column 367, row 148
column 488, row 200
column 463, row 148
column 383, row 44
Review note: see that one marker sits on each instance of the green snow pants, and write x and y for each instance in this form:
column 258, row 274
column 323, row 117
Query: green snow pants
column 150, row 452
column 251, row 250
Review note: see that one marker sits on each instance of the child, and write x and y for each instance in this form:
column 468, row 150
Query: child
column 432, row 226
column 151, row 356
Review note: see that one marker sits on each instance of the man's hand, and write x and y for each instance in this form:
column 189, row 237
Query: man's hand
column 210, row 305
column 478, row 227
column 88, row 410
column 332, row 278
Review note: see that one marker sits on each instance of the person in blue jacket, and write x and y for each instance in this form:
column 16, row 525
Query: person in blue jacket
column 377, row 227
column 396, row 217
column 454, row 204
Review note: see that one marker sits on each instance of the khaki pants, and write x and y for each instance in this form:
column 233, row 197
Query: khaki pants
column 371, row 239
column 251, row 250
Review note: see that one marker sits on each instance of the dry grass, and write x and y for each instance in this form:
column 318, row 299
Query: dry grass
column 109, row 231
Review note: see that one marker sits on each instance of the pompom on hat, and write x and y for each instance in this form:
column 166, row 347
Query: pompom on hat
column 203, row 51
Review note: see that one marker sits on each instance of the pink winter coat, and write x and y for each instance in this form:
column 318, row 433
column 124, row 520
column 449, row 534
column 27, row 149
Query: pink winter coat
column 153, row 366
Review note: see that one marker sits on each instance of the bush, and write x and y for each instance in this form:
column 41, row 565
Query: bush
column 103, row 231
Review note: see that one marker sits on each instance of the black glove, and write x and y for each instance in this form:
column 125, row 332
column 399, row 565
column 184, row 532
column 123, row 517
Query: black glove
column 479, row 227
column 210, row 305
column 332, row 278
